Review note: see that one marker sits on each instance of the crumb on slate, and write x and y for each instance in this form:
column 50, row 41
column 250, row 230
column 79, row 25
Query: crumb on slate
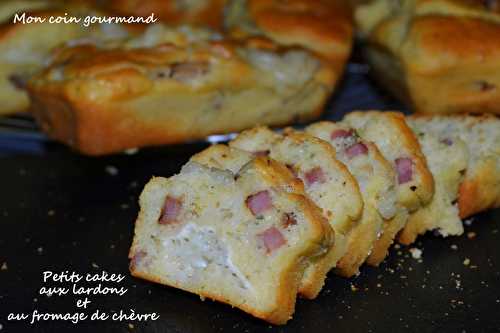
column 39, row 250
column 416, row 253
column 131, row 151
column 471, row 235
column 468, row 222
column 466, row 262
column 454, row 247
column 131, row 326
column 354, row 288
column 112, row 170
column 51, row 212
column 94, row 265
column 4, row 266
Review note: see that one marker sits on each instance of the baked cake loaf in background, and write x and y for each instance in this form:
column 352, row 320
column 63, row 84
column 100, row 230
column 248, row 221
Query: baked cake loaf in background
column 440, row 56
column 171, row 85
column 26, row 48
column 324, row 27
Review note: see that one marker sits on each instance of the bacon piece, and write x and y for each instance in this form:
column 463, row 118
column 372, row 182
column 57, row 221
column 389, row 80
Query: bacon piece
column 404, row 168
column 272, row 239
column 356, row 149
column 263, row 153
column 288, row 219
column 340, row 133
column 171, row 210
column 188, row 71
column 315, row 175
column 259, row 202
column 447, row 141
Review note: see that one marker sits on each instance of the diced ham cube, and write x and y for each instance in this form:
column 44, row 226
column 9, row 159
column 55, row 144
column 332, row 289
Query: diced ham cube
column 272, row 239
column 259, row 202
column 404, row 168
column 292, row 170
column 315, row 175
column 356, row 150
column 171, row 210
column 340, row 133
column 261, row 153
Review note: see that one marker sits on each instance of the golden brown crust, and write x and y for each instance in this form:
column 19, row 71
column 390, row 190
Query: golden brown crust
column 115, row 99
column 324, row 26
column 390, row 230
column 361, row 239
column 448, row 51
column 278, row 317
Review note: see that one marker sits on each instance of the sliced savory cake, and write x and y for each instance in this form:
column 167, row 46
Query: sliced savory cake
column 237, row 238
column 398, row 144
column 447, row 159
column 327, row 182
column 480, row 190
column 376, row 179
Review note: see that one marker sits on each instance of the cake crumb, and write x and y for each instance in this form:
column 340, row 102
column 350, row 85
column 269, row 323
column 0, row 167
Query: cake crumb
column 51, row 212
column 397, row 246
column 94, row 265
column 416, row 253
column 466, row 262
column 454, row 247
column 124, row 206
column 39, row 250
column 112, row 170
column 471, row 235
column 131, row 326
column 131, row 151
column 4, row 266
column 468, row 222
column 354, row 288
column 1, row 327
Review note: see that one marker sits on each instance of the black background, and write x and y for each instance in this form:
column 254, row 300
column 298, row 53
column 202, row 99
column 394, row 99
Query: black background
column 63, row 212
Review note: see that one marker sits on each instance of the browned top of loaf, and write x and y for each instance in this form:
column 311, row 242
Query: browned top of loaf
column 324, row 26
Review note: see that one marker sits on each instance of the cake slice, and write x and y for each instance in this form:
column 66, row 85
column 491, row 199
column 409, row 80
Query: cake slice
column 236, row 238
column 480, row 189
column 398, row 144
column 376, row 179
column 447, row 159
column 329, row 185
